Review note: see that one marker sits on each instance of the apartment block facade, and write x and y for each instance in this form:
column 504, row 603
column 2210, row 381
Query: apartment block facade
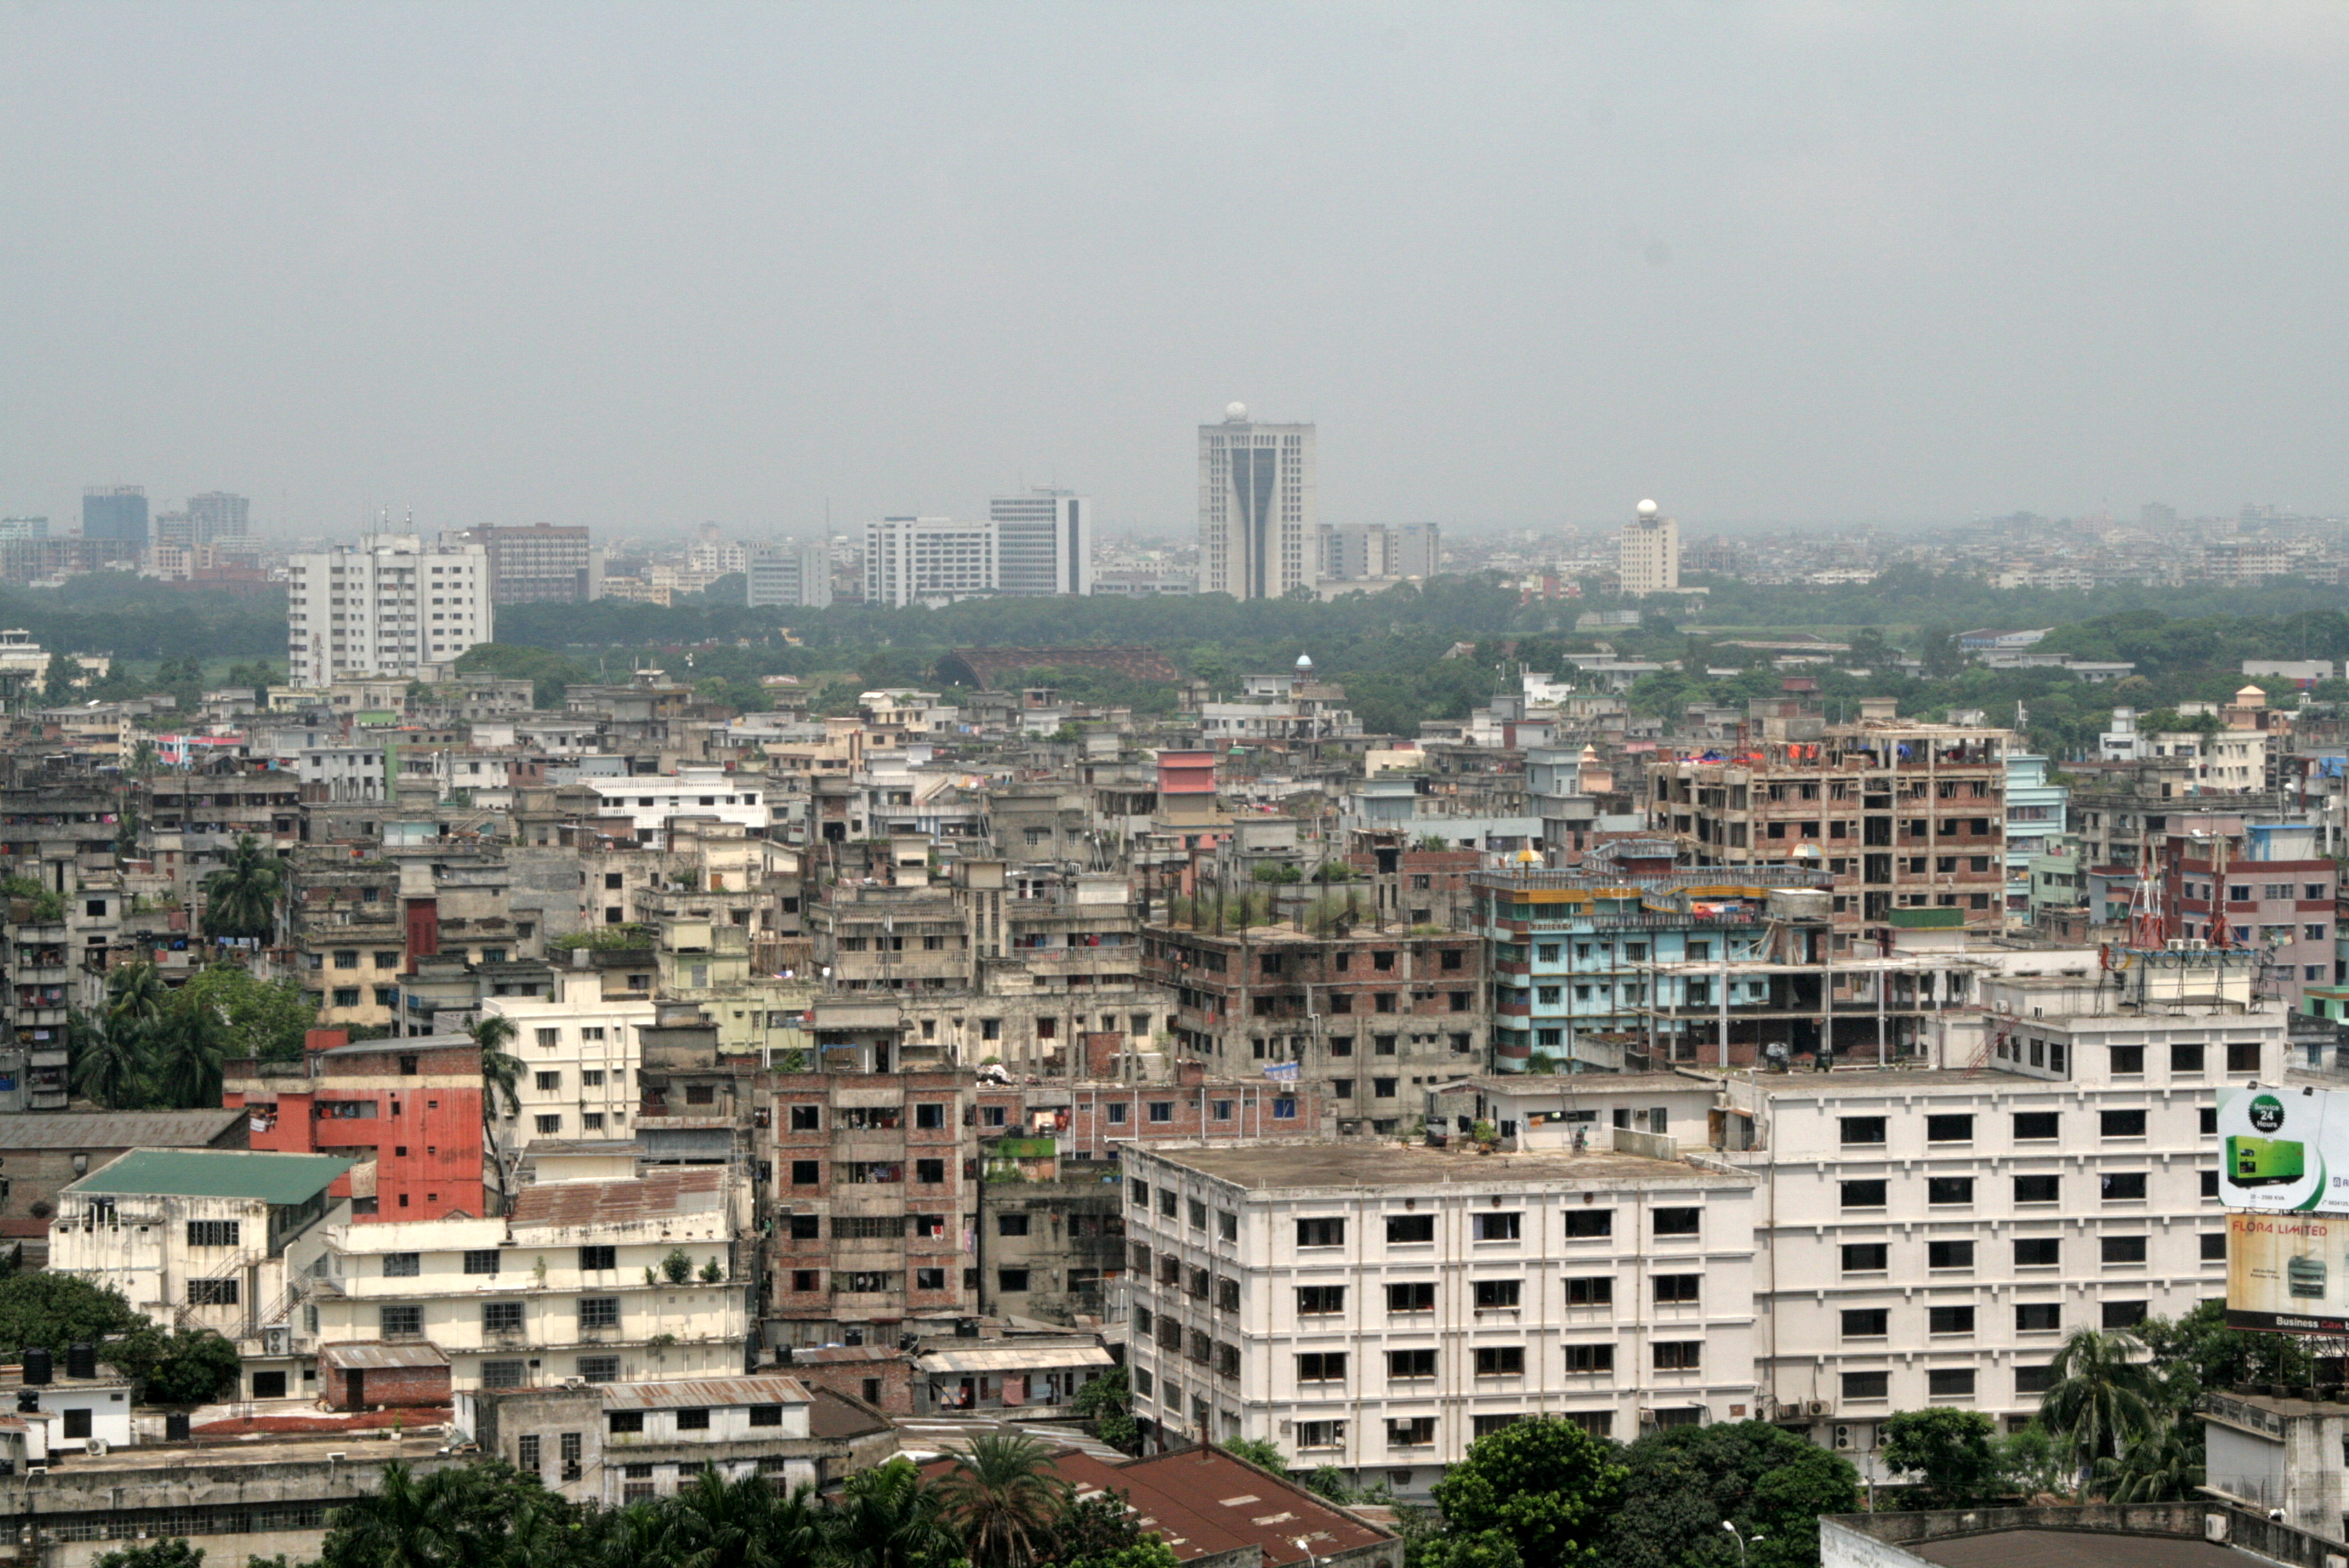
column 392, row 605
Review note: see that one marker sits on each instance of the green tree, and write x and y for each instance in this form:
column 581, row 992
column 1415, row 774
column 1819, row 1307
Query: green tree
column 172, row 1553
column 1951, row 1452
column 485, row 1513
column 60, row 1309
column 135, row 997
column 108, row 1065
column 268, row 1019
column 1684, row 1483
column 718, row 1523
column 1151, row 1552
column 241, row 898
column 2196, row 1352
column 1258, row 1451
column 2100, row 1396
column 1546, row 1484
column 185, row 1052
column 189, row 1366
column 1003, row 1497
column 887, row 1519
column 2030, row 1462
column 500, row 1069
column 1090, row 1530
column 2163, row 1466
column 1108, row 1403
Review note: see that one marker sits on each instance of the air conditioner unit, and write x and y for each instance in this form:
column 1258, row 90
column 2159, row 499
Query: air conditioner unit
column 278, row 1341
column 574, row 1382
column 1816, row 1406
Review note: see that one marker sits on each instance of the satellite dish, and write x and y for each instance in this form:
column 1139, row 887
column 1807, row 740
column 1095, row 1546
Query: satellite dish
column 1647, row 508
column 1236, row 411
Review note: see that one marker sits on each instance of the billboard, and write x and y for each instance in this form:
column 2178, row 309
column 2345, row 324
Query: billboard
column 2284, row 1150
column 2288, row 1272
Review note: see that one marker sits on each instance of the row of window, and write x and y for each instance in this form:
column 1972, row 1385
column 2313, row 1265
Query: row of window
column 2112, row 1187
column 2046, row 1125
column 406, row 1321
column 2030, row 1252
column 1502, row 1361
column 2030, row 1318
column 865, row 1172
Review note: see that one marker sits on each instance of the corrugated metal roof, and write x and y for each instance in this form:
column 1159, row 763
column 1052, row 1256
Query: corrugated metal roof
column 215, row 1173
column 371, row 1354
column 691, row 1189
column 698, row 1393
column 1013, row 1360
column 114, row 1129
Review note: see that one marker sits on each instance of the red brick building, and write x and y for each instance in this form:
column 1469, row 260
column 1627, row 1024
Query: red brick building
column 409, row 1110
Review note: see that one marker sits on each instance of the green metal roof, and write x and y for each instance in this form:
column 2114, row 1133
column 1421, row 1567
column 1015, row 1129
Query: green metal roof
column 216, row 1173
column 1924, row 919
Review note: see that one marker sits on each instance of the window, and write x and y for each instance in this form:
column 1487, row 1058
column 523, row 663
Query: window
column 482, row 1261
column 1866, row 1321
column 930, row 1117
column 766, row 1415
column 502, row 1317
column 1162, row 1109
column 1318, row 1300
column 2037, row 1252
column 1501, row 1227
column 1952, row 1128
column 1676, row 1289
column 2123, row 1249
column 1010, row 1224
column 1412, row 1295
column 1866, row 1257
column 1588, row 1357
column 2033, row 1380
column 1116, row 1114
column 1949, row 1254
column 1320, row 1233
column 212, row 1293
column 1411, row 1432
column 2037, row 1188
column 2186, row 1059
column 2038, row 1316
column 1321, row 1366
column 1862, row 1130
column 1590, row 1290
column 401, row 1322
column 346, row 996
column 212, row 1232
column 2243, row 1057
column 1864, row 1195
column 2123, row 1123
column 593, row 1259
column 1406, row 1228
column 930, row 1172
column 550, row 1082
column 599, row 1312
column 624, row 1421
column 550, row 1124
column 1410, row 1363
column 1495, row 1295
column 1500, row 1361
column 2122, row 1186
column 1859, row 1386
column 923, row 1279
column 1949, row 1320
column 1950, row 1382
column 1013, row 1280
column 504, row 1374
column 1677, row 1221
column 1138, row 1193
column 2214, row 1246
column 1582, row 1225
column 806, row 1227
column 807, row 1119
column 599, row 1368
column 2123, row 1313
column 1679, row 1355
column 2031, row 1126
column 1946, row 1190
column 1227, row 1225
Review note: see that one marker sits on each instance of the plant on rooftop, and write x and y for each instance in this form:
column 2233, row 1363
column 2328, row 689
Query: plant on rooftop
column 678, row 1266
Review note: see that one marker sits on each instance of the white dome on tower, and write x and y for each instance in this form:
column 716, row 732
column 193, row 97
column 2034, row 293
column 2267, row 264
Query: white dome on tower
column 1305, row 660
column 1647, row 508
column 1236, row 411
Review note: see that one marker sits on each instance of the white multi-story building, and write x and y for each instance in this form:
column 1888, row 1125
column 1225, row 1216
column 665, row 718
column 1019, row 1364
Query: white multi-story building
column 217, row 515
column 1044, row 542
column 392, row 605
column 796, row 576
column 579, row 1054
column 929, row 561
column 628, row 1442
column 1649, row 558
column 652, row 803
column 1259, row 523
column 604, row 1281
column 1377, row 1309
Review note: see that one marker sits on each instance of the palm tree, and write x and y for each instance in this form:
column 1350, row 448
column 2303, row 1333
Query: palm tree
column 2100, row 1398
column 500, row 1070
column 718, row 1524
column 887, row 1519
column 401, row 1524
column 186, row 1051
column 108, row 1066
column 2160, row 1467
column 135, row 997
column 241, row 898
column 1003, row 1496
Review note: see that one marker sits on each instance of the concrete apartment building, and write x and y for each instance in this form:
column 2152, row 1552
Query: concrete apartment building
column 408, row 1111
column 607, row 1281
column 1648, row 555
column 2269, row 890
column 653, row 804
column 1373, row 1016
column 875, row 1182
column 1259, row 519
column 793, row 576
column 391, row 605
column 1377, row 1309
column 581, row 1052
column 209, row 1238
column 622, row 1443
column 1900, row 815
column 928, row 560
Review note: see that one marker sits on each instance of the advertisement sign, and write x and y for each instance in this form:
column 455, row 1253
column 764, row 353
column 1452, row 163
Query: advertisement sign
column 2288, row 1272
column 2284, row 1150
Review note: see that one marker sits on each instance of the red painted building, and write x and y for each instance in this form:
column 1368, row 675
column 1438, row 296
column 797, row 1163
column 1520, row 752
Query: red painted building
column 409, row 1110
column 2282, row 906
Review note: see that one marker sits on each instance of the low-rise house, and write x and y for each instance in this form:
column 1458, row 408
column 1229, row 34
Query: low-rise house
column 631, row 1442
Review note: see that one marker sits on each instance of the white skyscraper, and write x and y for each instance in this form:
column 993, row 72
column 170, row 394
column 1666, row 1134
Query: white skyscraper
column 1044, row 542
column 1260, row 529
column 795, row 576
column 928, row 559
column 1650, row 558
column 392, row 605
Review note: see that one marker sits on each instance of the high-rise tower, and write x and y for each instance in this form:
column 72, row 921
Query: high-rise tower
column 1044, row 542
column 1649, row 557
column 1260, row 529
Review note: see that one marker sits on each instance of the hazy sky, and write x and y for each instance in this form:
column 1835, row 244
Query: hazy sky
column 639, row 266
